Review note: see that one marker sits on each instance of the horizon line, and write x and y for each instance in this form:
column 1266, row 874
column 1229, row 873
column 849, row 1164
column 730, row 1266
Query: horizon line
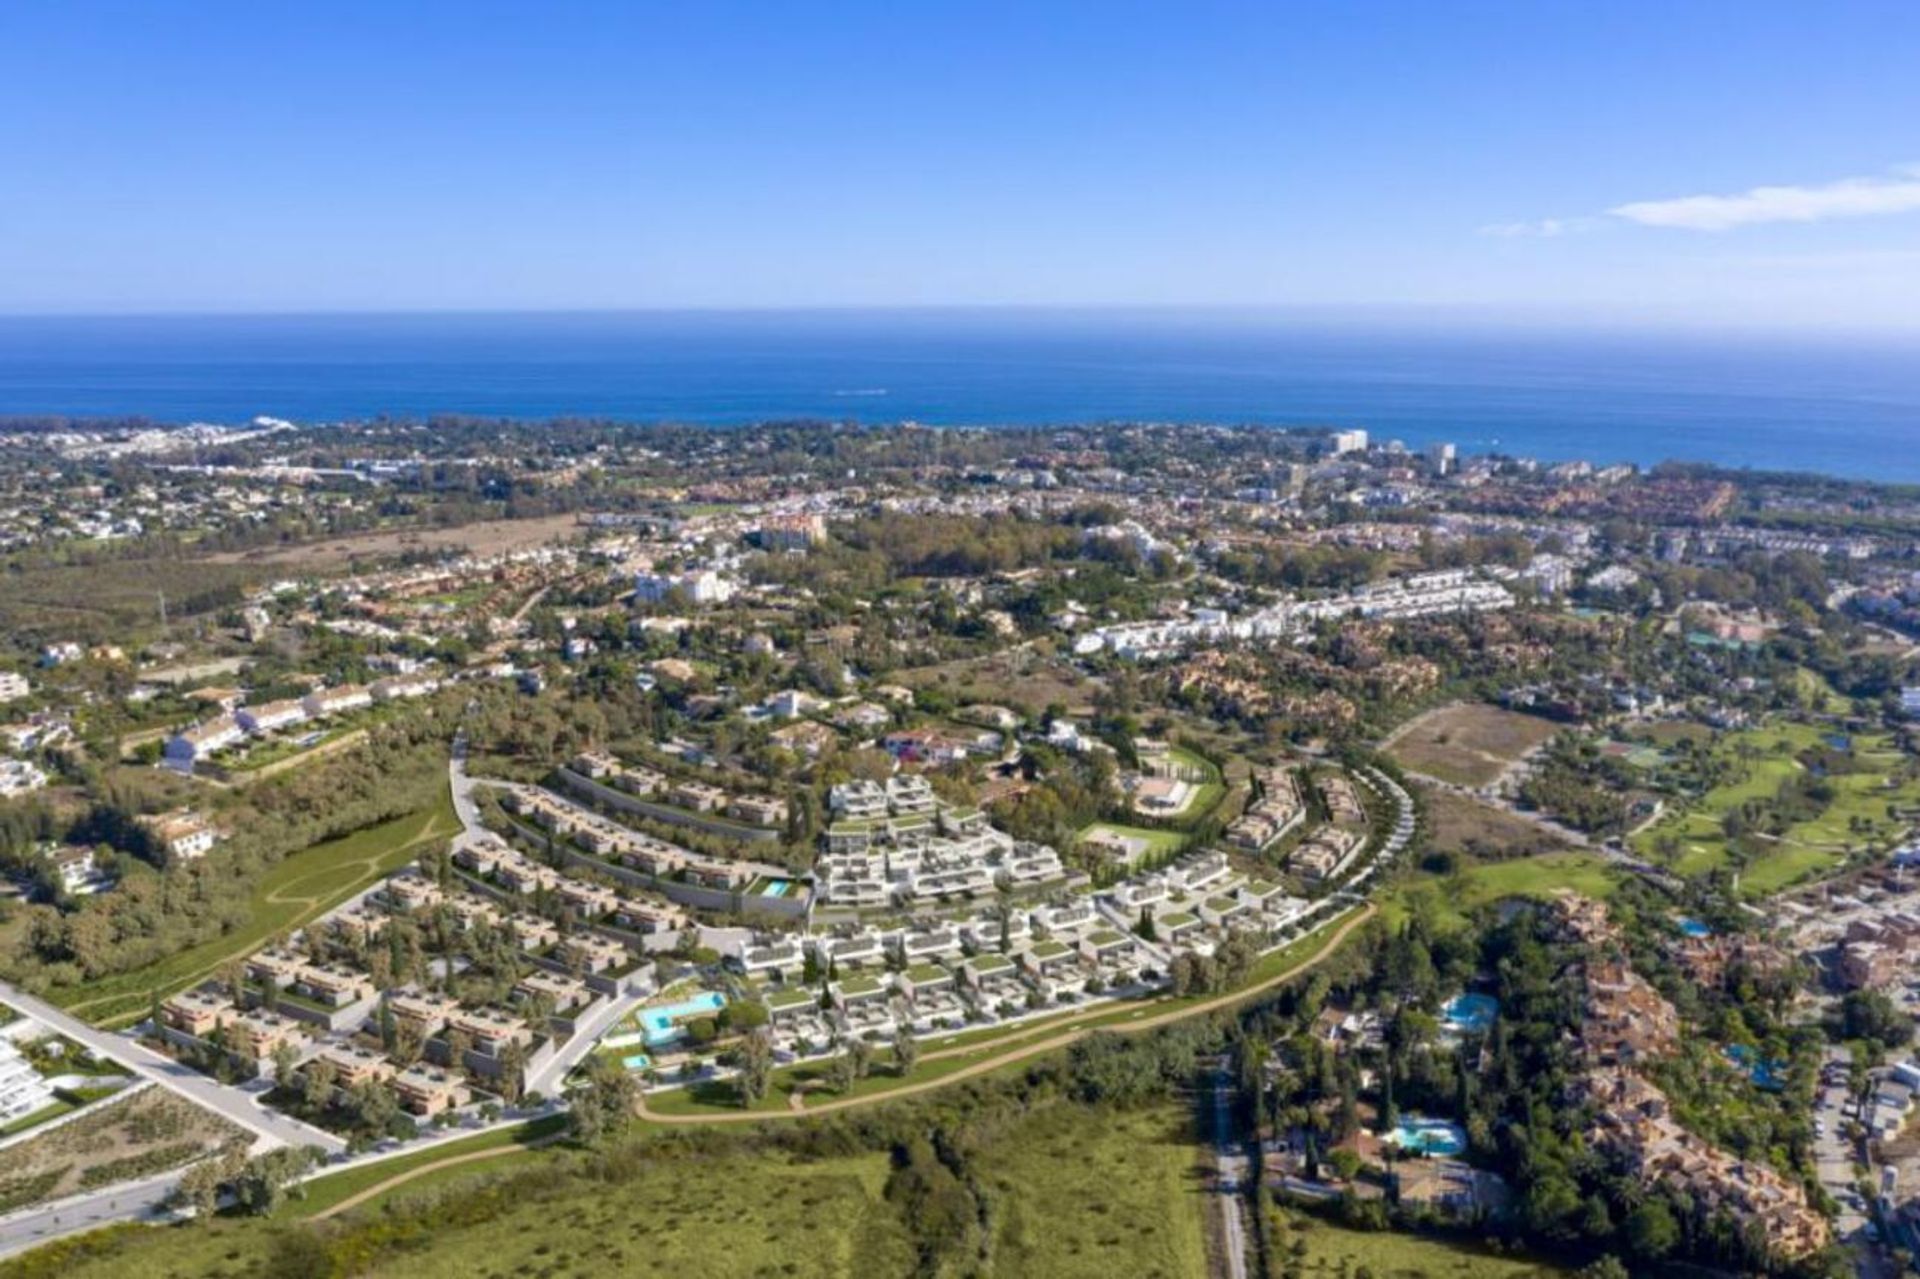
column 1489, row 315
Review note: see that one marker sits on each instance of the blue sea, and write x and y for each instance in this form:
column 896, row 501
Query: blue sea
column 1848, row 408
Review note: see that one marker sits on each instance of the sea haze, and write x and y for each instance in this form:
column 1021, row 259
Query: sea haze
column 1764, row 402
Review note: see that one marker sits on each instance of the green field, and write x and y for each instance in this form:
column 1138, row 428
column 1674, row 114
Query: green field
column 1067, row 1191
column 1333, row 1250
column 294, row 891
column 1206, row 795
column 1159, row 843
column 324, row 1192
column 1455, row 894
column 1086, row 1194
column 731, row 1217
column 1805, row 849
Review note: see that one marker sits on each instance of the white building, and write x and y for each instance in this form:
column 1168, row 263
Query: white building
column 336, row 701
column 200, row 741
column 22, row 1090
column 18, row 776
column 13, row 686
column 699, row 586
column 270, row 716
column 182, row 835
column 1347, row 442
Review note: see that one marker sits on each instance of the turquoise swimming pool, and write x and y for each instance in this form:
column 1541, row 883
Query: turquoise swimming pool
column 636, row 1061
column 662, row 1025
column 1766, row 1075
column 1429, row 1136
column 777, row 888
column 1693, row 927
column 1470, row 1013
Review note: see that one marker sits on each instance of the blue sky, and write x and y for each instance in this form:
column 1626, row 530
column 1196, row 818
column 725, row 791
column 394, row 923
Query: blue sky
column 1538, row 157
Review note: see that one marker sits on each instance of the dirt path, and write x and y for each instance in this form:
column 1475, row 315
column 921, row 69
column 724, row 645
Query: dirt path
column 1056, row 1039
column 451, row 1161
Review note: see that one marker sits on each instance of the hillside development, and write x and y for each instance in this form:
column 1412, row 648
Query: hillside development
column 895, row 823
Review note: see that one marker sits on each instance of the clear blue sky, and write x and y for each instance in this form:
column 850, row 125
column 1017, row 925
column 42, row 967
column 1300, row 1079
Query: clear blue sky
column 1522, row 156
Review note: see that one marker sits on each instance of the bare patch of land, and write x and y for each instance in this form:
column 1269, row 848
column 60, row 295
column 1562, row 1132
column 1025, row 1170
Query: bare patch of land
column 1465, row 827
column 1468, row 744
column 148, row 1133
column 488, row 537
column 1021, row 678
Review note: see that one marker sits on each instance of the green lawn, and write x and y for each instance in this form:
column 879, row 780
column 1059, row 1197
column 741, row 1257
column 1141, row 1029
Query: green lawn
column 52, row 1110
column 1475, row 885
column 1091, row 1194
column 323, row 1193
column 1805, row 849
column 296, row 890
column 1159, row 843
column 1326, row 1249
column 1206, row 795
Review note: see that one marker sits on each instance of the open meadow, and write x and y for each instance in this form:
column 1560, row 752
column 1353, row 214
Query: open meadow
column 1068, row 1191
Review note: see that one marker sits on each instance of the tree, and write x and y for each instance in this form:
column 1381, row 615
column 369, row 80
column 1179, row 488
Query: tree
column 317, row 1084
column 745, row 1015
column 1651, row 1230
column 261, row 1185
column 284, row 1060
column 200, row 1185
column 860, row 1057
column 604, row 1106
column 754, row 1060
column 906, row 1052
column 840, row 1072
column 513, row 1062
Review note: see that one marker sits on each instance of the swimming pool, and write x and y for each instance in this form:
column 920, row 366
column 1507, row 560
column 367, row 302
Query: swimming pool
column 636, row 1061
column 1693, row 927
column 777, row 888
column 1429, row 1136
column 662, row 1025
column 1768, row 1076
column 1470, row 1013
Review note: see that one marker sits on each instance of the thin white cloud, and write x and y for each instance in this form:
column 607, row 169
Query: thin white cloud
column 1847, row 198
column 1539, row 228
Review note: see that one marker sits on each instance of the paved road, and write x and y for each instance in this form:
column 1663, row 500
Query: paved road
column 462, row 786
column 1230, row 1178
column 1834, row 1158
column 232, row 1103
column 547, row 1080
column 130, row 1201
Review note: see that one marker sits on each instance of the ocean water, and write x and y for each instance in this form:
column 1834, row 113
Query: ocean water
column 1843, row 408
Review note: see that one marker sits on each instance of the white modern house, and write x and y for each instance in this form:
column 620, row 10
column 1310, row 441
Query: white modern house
column 22, row 1090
